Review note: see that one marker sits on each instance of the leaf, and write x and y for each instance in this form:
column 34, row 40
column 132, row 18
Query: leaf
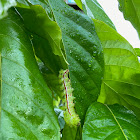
column 27, row 109
column 79, row 3
column 46, row 37
column 5, row 5
column 113, row 122
column 43, row 26
column 52, row 81
column 94, row 10
column 69, row 133
column 121, row 83
column 72, row 133
column 131, row 12
column 83, row 53
column 137, row 50
column 44, row 3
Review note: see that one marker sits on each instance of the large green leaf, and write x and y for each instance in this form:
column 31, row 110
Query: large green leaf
column 114, row 122
column 5, row 5
column 43, row 26
column 46, row 37
column 27, row 110
column 83, row 52
column 131, row 12
column 121, row 83
column 94, row 10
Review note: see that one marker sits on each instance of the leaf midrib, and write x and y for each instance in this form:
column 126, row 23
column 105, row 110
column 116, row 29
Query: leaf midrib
column 117, row 122
column 117, row 92
column 122, row 66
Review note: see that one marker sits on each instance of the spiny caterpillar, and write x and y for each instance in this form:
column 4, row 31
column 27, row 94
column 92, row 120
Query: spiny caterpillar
column 70, row 116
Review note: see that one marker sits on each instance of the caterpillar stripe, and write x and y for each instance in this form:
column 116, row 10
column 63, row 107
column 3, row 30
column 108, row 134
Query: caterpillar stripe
column 70, row 116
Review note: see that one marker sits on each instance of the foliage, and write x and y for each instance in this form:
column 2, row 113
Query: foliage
column 131, row 12
column 40, row 38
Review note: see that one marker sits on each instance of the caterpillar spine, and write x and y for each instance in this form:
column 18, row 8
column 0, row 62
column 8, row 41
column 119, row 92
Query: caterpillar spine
column 70, row 116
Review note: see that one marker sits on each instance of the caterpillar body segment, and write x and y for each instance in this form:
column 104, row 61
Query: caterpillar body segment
column 70, row 116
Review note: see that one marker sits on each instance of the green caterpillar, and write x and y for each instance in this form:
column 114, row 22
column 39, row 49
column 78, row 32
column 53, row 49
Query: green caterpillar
column 70, row 116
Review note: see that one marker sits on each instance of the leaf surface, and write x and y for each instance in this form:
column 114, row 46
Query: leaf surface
column 46, row 37
column 26, row 105
column 104, row 122
column 131, row 12
column 94, row 10
column 83, row 52
column 44, row 3
column 5, row 5
column 43, row 26
column 137, row 50
column 69, row 133
column 121, row 83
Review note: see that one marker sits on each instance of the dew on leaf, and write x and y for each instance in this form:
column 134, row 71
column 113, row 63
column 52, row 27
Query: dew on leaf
column 89, row 65
column 94, row 53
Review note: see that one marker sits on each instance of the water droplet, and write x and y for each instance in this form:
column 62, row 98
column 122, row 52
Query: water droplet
column 89, row 65
column 94, row 53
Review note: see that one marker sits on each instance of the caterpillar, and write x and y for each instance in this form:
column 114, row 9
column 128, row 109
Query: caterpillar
column 70, row 116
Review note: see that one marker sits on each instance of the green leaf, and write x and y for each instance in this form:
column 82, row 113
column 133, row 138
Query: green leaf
column 72, row 133
column 5, row 5
column 69, row 133
column 79, row 3
column 137, row 50
column 52, row 81
column 131, row 12
column 46, row 37
column 43, row 3
column 83, row 52
column 114, row 122
column 121, row 83
column 43, row 26
column 27, row 109
column 94, row 10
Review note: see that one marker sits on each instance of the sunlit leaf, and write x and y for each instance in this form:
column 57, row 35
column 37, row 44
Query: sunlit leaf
column 121, row 83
